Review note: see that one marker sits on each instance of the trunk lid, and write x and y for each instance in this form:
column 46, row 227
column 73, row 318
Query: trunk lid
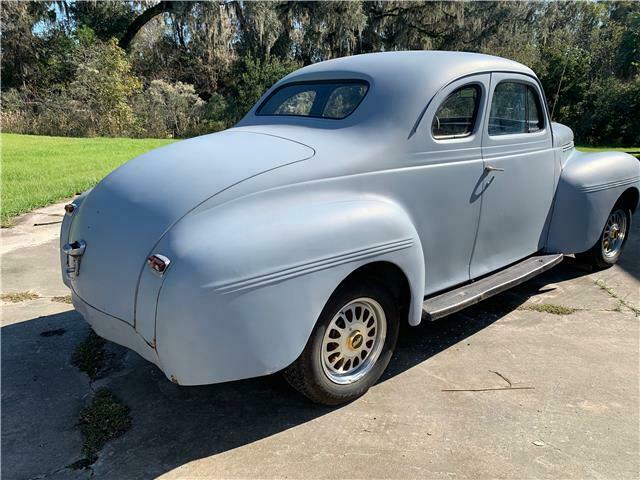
column 126, row 214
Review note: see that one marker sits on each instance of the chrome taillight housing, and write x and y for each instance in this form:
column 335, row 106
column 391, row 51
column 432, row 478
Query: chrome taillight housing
column 158, row 263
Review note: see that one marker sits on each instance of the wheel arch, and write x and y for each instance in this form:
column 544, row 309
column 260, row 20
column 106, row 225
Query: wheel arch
column 391, row 276
column 629, row 199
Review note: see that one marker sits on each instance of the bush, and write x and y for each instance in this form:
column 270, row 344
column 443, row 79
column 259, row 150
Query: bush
column 95, row 102
column 169, row 110
column 102, row 89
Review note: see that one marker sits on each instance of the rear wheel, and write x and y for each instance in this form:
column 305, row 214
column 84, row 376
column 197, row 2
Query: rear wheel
column 613, row 238
column 350, row 346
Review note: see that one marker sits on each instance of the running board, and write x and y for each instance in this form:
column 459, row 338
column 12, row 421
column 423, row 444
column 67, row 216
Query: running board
column 469, row 294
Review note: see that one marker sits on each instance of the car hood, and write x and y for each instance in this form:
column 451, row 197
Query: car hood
column 126, row 214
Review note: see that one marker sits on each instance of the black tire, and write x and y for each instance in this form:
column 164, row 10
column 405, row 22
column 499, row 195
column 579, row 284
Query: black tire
column 307, row 375
column 595, row 256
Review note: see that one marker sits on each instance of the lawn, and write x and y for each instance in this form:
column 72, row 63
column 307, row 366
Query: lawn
column 38, row 170
column 632, row 150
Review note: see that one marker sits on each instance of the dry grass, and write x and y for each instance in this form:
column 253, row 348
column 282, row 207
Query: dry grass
column 62, row 299
column 17, row 297
column 551, row 308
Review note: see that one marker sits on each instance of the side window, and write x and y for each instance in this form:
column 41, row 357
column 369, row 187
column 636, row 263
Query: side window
column 534, row 113
column 515, row 108
column 456, row 116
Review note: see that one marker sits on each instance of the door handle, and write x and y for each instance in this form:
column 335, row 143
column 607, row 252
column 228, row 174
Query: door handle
column 491, row 168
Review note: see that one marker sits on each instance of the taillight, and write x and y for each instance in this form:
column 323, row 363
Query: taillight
column 70, row 208
column 158, row 263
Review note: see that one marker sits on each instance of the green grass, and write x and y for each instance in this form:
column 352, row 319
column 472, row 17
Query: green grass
column 632, row 150
column 39, row 170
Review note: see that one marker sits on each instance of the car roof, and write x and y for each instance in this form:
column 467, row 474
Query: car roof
column 423, row 65
column 401, row 85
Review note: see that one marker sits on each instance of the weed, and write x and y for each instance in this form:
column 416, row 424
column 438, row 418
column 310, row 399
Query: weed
column 104, row 419
column 90, row 356
column 621, row 301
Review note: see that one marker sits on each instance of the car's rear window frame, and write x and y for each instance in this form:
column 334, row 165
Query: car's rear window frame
column 338, row 81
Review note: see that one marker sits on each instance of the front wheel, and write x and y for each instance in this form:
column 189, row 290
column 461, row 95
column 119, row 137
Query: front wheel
column 350, row 346
column 613, row 238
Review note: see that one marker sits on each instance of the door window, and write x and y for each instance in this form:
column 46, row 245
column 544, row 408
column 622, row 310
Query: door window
column 515, row 108
column 456, row 116
column 534, row 114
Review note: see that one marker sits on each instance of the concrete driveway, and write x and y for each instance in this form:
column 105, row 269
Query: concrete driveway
column 443, row 410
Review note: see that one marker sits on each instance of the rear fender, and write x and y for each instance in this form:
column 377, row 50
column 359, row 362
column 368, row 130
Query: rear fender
column 589, row 186
column 248, row 279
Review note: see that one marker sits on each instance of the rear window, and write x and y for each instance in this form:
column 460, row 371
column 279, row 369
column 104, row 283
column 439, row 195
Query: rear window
column 335, row 100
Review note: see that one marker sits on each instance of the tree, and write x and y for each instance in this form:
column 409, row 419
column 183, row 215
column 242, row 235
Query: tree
column 587, row 54
column 23, row 51
column 102, row 88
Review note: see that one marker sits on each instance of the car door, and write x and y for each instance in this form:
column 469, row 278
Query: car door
column 517, row 184
column 446, row 160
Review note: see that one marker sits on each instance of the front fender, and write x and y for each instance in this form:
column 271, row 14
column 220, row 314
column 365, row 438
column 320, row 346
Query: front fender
column 249, row 278
column 589, row 186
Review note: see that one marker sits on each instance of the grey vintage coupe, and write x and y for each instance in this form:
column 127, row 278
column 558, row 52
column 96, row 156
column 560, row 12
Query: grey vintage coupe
column 357, row 194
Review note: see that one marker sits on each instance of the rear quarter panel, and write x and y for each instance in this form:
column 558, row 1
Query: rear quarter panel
column 249, row 278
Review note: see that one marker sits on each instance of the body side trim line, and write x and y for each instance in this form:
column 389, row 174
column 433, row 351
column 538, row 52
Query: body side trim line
column 309, row 267
column 615, row 183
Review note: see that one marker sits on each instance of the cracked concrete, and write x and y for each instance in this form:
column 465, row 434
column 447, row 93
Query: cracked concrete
column 578, row 419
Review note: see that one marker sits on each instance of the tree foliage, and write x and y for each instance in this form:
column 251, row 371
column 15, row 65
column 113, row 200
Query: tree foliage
column 170, row 110
column 152, row 68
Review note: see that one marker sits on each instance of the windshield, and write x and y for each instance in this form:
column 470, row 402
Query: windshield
column 333, row 99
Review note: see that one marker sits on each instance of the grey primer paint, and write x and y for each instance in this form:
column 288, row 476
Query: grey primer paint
column 263, row 221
